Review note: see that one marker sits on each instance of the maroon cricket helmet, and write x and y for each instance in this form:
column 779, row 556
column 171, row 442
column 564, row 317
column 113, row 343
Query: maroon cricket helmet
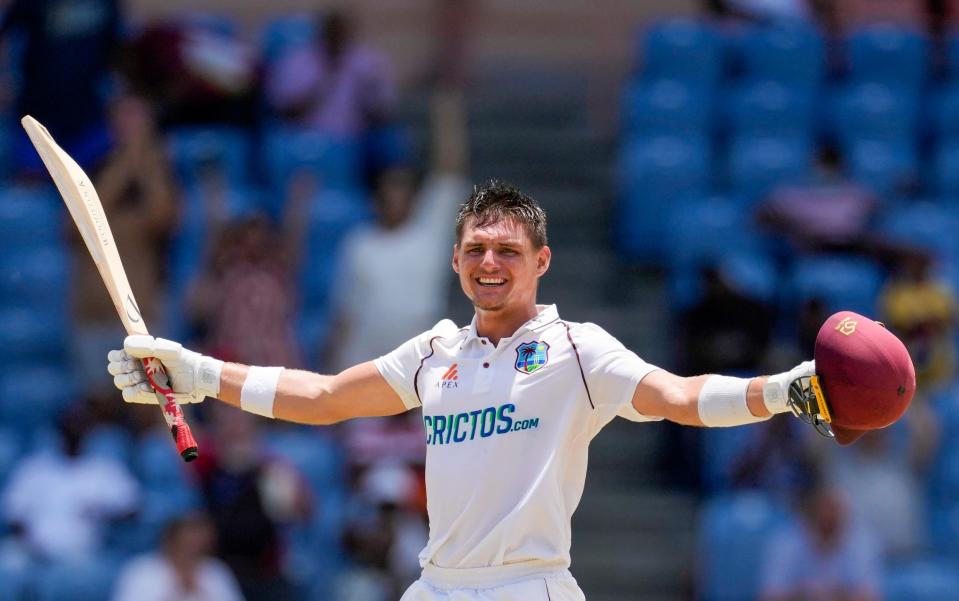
column 865, row 373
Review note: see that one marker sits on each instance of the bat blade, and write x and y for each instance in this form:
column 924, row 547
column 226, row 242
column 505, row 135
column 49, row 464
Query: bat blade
column 85, row 208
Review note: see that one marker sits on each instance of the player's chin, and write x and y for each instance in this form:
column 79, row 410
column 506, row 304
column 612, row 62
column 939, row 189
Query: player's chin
column 488, row 299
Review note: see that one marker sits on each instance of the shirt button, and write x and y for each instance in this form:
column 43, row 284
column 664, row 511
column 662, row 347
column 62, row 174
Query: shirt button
column 482, row 341
column 486, row 365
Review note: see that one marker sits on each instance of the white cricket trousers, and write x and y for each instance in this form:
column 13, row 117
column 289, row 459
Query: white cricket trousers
column 516, row 582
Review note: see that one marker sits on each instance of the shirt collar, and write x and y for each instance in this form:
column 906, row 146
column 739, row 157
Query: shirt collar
column 547, row 315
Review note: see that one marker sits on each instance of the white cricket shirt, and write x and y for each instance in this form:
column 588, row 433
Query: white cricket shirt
column 507, row 431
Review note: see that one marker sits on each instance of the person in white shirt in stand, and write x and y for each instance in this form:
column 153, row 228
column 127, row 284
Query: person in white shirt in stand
column 182, row 570
column 509, row 404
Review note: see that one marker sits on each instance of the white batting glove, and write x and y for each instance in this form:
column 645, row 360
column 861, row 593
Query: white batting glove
column 776, row 388
column 193, row 376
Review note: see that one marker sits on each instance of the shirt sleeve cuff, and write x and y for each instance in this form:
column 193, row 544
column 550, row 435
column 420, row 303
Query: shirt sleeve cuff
column 396, row 383
column 626, row 409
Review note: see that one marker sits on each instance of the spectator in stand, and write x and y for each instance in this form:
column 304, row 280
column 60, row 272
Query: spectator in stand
column 822, row 557
column 195, row 75
column 881, row 476
column 827, row 213
column 922, row 312
column 727, row 330
column 410, row 240
column 182, row 569
column 69, row 48
column 386, row 538
column 251, row 497
column 58, row 501
column 243, row 301
column 135, row 185
column 337, row 85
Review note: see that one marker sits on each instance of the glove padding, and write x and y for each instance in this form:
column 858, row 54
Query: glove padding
column 193, row 376
column 776, row 388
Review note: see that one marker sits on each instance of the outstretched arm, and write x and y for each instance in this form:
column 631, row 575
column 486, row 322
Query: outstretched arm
column 664, row 394
column 713, row 400
column 310, row 398
column 288, row 394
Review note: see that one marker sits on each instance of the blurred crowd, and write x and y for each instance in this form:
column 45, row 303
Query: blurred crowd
column 778, row 161
column 802, row 160
column 267, row 203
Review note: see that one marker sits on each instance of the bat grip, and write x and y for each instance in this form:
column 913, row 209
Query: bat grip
column 182, row 435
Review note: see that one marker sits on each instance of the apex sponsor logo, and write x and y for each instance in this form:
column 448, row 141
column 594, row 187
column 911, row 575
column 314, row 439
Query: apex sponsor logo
column 450, row 378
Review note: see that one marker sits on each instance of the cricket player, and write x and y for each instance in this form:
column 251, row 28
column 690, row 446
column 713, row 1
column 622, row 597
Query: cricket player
column 510, row 404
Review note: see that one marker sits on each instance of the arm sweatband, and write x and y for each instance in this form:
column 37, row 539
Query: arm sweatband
column 722, row 403
column 259, row 390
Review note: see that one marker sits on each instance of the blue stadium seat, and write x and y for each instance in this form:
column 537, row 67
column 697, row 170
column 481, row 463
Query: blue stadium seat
column 757, row 163
column 331, row 217
column 336, row 161
column 31, row 396
column 771, row 107
column 157, row 463
column 733, row 530
column 791, row 53
column 316, row 455
column 285, row 33
column 168, row 486
column 890, row 54
column 196, row 149
column 111, row 441
column 656, row 173
column 875, row 111
column 35, row 277
column 30, row 216
column 924, row 225
column 15, row 582
column 952, row 50
column 77, row 580
column 708, row 231
column 943, row 525
column 684, row 49
column 945, row 112
column 945, row 169
column 666, row 106
column 888, row 168
column 841, row 282
column 925, row 580
column 312, row 332
column 6, row 146
column 26, row 333
column 11, row 449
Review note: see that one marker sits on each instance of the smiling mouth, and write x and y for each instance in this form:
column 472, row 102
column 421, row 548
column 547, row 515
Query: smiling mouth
column 490, row 282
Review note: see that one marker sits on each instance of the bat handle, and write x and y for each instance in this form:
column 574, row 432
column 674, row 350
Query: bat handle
column 172, row 412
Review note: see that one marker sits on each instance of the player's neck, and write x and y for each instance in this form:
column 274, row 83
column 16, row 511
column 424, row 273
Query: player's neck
column 503, row 323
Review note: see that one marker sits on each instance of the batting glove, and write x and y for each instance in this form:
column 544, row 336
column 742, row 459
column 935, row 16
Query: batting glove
column 193, row 376
column 776, row 388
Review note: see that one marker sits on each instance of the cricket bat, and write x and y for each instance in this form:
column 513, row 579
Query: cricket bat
column 87, row 212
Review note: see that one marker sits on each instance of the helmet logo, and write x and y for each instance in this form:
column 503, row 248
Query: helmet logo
column 847, row 326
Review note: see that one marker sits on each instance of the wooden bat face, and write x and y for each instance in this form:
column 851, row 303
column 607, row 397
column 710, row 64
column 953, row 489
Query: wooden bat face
column 84, row 205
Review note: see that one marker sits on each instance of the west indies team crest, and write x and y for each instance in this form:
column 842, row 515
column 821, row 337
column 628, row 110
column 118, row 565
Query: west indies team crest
column 530, row 356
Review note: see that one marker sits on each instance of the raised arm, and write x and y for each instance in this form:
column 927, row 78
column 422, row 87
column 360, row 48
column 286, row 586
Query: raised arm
column 287, row 394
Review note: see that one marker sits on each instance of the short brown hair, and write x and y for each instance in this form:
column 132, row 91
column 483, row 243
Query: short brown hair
column 496, row 200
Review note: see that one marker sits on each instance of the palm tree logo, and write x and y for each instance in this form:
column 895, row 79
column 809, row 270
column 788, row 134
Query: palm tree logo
column 530, row 356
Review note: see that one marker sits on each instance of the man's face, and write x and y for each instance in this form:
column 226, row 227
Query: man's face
column 498, row 265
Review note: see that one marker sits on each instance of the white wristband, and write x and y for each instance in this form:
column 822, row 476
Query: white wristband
column 259, row 390
column 722, row 403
